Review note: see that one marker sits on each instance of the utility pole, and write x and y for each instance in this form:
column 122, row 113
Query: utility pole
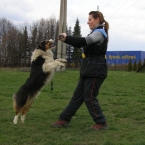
column 61, row 47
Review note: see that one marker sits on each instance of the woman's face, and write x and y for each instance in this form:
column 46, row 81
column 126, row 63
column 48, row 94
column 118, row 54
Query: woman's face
column 92, row 22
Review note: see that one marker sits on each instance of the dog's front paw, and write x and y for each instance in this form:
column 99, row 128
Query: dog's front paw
column 64, row 60
column 61, row 60
column 62, row 64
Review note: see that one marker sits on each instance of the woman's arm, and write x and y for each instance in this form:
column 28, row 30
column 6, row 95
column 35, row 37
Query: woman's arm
column 94, row 37
column 83, row 41
column 75, row 41
column 72, row 40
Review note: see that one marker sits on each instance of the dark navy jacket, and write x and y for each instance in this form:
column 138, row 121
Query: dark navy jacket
column 94, row 64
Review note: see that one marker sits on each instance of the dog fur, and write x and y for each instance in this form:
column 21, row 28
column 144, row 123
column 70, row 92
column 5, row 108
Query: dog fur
column 42, row 70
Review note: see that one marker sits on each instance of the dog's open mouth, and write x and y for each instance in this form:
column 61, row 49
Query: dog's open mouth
column 51, row 45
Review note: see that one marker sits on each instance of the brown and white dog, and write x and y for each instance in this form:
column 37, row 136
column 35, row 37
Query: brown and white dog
column 42, row 71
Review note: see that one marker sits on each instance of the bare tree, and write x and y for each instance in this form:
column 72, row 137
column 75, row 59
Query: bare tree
column 8, row 43
column 17, row 43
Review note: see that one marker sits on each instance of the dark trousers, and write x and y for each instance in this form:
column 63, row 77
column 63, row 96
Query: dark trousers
column 86, row 91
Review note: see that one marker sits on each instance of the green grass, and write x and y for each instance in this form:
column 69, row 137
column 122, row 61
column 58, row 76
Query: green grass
column 122, row 97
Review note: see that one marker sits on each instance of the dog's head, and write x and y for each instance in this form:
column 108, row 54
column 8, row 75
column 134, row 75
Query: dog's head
column 45, row 45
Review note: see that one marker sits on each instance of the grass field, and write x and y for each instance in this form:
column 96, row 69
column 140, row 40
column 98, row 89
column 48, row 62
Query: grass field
column 122, row 97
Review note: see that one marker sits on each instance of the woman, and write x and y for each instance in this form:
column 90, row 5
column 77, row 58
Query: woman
column 92, row 74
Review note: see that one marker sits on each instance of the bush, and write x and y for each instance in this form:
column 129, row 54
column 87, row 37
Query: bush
column 139, row 64
column 134, row 66
column 130, row 65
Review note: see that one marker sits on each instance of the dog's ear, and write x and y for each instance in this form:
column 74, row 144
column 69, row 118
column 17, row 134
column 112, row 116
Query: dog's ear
column 39, row 44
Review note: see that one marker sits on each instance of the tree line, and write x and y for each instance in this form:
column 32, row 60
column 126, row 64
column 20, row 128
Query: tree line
column 18, row 41
column 135, row 66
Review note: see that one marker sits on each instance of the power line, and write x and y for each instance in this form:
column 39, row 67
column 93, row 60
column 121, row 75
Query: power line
column 106, row 4
column 117, row 10
column 102, row 3
column 113, row 8
column 127, row 9
column 129, row 17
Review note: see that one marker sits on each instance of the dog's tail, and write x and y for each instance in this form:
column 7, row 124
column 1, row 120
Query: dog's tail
column 14, row 102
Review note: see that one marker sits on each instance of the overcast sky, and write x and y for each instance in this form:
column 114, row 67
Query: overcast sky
column 126, row 17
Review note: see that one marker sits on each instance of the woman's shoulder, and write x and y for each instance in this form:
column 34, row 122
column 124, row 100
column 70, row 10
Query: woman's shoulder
column 102, row 31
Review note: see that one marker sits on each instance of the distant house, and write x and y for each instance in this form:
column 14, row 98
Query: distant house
column 122, row 57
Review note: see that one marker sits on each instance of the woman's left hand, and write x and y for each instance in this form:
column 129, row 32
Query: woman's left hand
column 62, row 37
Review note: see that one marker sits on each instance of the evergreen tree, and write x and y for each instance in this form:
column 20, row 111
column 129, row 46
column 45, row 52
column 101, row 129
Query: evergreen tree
column 33, row 37
column 144, row 61
column 139, row 64
column 26, row 52
column 77, row 51
column 20, row 48
column 134, row 66
column 130, row 65
column 77, row 29
column 69, row 48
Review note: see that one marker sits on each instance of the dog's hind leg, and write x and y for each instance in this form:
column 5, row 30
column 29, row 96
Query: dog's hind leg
column 16, row 109
column 15, row 121
column 23, row 118
column 25, row 110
